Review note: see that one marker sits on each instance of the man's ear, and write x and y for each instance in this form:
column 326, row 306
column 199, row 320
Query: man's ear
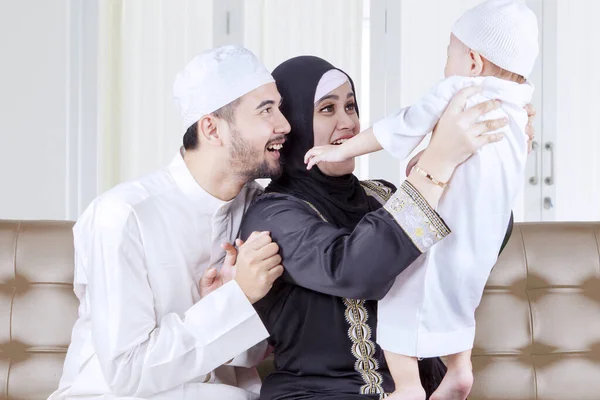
column 208, row 130
column 476, row 63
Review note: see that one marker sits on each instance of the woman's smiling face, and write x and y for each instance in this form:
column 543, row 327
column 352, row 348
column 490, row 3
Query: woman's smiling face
column 335, row 120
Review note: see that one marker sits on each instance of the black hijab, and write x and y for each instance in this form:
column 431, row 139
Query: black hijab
column 341, row 200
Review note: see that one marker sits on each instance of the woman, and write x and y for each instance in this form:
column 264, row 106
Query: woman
column 341, row 239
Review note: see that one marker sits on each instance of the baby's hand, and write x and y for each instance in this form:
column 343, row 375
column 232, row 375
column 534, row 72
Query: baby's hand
column 327, row 153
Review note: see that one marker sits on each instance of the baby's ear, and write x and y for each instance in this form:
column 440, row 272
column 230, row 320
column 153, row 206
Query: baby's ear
column 476, row 63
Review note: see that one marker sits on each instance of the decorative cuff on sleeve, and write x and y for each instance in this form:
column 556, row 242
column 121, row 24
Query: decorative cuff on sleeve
column 416, row 217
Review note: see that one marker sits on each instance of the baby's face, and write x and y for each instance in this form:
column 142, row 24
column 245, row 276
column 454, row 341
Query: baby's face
column 459, row 62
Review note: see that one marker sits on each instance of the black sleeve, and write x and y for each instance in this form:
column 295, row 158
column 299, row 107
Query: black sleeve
column 358, row 264
column 508, row 233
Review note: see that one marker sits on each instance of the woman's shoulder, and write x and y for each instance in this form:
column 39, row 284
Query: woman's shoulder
column 380, row 189
column 272, row 211
column 267, row 199
column 269, row 204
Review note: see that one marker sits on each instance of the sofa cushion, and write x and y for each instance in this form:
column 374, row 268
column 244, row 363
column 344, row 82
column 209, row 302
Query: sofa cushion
column 37, row 306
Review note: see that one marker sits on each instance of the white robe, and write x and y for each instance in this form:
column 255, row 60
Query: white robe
column 430, row 310
column 143, row 331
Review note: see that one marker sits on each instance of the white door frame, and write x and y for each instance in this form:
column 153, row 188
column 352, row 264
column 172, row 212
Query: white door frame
column 540, row 180
column 82, row 106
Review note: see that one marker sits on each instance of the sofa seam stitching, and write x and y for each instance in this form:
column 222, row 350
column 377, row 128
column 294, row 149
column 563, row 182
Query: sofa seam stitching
column 12, row 304
column 535, row 386
column 597, row 248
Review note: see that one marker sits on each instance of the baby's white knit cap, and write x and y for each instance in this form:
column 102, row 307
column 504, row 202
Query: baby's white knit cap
column 505, row 32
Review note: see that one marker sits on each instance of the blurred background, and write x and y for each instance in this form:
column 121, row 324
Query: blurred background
column 86, row 103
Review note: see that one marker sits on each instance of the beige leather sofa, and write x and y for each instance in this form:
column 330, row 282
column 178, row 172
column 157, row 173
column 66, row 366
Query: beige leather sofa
column 538, row 331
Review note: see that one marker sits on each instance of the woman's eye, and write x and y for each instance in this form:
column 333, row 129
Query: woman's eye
column 266, row 111
column 327, row 109
column 351, row 107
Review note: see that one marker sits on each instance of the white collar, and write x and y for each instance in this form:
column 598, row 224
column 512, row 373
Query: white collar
column 190, row 188
column 506, row 91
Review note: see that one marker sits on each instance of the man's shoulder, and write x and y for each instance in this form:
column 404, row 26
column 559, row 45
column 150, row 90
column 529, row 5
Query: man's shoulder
column 114, row 207
column 253, row 189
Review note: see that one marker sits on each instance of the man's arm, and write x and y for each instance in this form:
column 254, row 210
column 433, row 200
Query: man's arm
column 139, row 354
column 252, row 357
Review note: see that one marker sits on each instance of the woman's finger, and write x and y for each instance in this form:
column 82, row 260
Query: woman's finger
column 490, row 125
column 531, row 111
column 459, row 101
column 529, row 131
column 473, row 113
column 490, row 138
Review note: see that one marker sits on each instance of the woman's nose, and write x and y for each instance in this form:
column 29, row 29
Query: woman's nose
column 346, row 122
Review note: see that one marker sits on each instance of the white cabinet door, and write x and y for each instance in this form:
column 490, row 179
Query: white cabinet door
column 568, row 127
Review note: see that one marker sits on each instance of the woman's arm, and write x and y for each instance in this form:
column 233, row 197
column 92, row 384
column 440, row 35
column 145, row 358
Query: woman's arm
column 456, row 137
column 359, row 264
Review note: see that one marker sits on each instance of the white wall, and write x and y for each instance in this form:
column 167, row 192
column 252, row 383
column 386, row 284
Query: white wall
column 143, row 44
column 34, row 108
column 85, row 86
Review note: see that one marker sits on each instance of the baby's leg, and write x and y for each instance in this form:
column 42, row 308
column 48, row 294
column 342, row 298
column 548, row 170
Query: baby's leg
column 458, row 381
column 405, row 371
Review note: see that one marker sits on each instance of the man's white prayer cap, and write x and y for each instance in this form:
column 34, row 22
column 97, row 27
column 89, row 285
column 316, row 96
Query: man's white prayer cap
column 215, row 78
column 503, row 31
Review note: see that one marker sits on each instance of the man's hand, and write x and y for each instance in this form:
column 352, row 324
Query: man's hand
column 212, row 279
column 258, row 265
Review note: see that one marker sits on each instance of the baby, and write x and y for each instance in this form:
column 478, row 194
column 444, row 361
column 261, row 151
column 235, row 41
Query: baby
column 430, row 310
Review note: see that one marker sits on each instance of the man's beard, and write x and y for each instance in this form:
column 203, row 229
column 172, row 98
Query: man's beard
column 245, row 160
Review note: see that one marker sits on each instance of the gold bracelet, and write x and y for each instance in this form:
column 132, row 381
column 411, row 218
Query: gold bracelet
column 428, row 176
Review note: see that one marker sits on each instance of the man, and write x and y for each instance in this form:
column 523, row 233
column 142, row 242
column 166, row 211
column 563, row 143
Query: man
column 147, row 328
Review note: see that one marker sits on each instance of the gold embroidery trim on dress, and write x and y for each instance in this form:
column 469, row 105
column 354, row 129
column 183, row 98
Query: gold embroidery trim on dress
column 363, row 348
column 416, row 217
column 429, row 212
column 378, row 190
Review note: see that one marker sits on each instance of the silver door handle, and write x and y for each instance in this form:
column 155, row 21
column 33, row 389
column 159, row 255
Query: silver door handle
column 534, row 179
column 548, row 203
column 550, row 179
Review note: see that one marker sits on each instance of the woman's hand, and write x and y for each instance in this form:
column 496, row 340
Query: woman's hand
column 413, row 161
column 529, row 128
column 458, row 135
